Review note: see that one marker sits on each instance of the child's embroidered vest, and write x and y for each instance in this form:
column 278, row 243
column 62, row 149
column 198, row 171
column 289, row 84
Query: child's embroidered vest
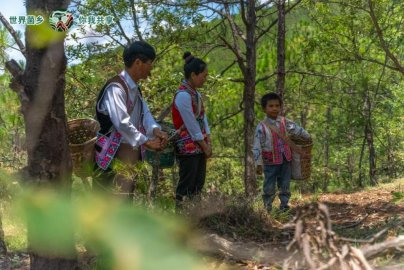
column 185, row 145
column 275, row 157
column 108, row 139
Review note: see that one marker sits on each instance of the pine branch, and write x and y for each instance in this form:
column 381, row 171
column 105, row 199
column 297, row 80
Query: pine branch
column 14, row 34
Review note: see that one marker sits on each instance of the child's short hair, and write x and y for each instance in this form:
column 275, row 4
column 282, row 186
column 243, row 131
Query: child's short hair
column 270, row 96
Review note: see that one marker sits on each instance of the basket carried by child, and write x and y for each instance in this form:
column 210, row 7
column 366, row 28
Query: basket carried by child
column 166, row 157
column 301, row 164
column 82, row 134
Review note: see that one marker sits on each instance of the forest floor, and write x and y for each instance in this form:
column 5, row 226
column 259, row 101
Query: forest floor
column 356, row 215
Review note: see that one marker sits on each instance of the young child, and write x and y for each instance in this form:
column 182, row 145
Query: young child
column 272, row 154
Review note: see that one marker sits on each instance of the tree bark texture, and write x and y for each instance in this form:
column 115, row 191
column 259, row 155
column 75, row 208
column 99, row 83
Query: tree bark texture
column 369, row 134
column 360, row 177
column 327, row 150
column 250, row 179
column 49, row 162
column 281, row 51
column 372, row 154
column 3, row 247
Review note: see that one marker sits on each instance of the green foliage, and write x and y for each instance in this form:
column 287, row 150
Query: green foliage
column 124, row 237
column 11, row 127
column 15, row 231
column 225, row 174
column 4, row 41
column 239, row 218
column 84, row 81
column 42, row 35
column 9, row 186
column 398, row 196
column 335, row 85
column 339, row 81
column 326, row 91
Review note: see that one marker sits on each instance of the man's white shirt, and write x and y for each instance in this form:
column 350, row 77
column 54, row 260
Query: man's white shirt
column 113, row 103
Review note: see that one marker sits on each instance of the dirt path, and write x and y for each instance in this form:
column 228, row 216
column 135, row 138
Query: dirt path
column 367, row 210
column 357, row 215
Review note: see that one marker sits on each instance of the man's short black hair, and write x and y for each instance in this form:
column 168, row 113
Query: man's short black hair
column 270, row 96
column 138, row 50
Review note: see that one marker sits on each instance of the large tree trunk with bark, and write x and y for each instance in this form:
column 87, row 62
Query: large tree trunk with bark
column 45, row 119
column 49, row 162
column 250, row 179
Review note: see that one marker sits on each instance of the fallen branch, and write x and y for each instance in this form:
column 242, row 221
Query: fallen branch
column 360, row 256
column 379, row 248
column 353, row 224
column 375, row 236
column 391, row 267
column 320, row 248
column 213, row 244
column 314, row 246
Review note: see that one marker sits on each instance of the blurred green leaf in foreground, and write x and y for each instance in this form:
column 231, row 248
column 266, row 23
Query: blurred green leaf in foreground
column 122, row 237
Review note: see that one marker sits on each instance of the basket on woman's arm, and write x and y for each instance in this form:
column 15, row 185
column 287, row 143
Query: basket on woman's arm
column 82, row 134
column 301, row 164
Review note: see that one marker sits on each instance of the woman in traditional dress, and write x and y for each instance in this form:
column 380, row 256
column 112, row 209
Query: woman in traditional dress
column 193, row 146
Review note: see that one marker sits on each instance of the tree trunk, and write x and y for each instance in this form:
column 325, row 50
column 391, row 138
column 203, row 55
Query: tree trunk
column 250, row 180
column 372, row 154
column 303, row 116
column 369, row 138
column 351, row 166
column 360, row 179
column 49, row 162
column 280, row 82
column 391, row 170
column 152, row 190
column 327, row 150
column 49, row 159
column 174, row 178
column 350, row 160
column 3, row 247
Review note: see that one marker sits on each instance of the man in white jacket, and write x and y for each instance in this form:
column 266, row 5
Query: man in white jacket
column 126, row 121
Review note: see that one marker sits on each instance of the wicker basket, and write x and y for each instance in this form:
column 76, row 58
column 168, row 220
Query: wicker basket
column 301, row 166
column 166, row 157
column 82, row 134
